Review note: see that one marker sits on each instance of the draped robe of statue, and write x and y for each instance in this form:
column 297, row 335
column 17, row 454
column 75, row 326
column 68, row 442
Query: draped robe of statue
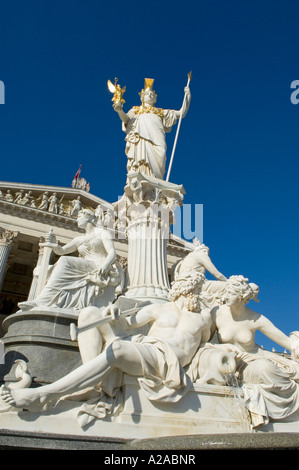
column 73, row 281
column 145, row 140
column 270, row 385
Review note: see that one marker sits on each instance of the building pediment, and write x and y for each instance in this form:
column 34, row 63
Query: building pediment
column 48, row 204
column 26, row 201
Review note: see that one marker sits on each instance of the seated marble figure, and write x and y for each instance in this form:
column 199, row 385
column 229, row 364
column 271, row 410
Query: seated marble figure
column 90, row 279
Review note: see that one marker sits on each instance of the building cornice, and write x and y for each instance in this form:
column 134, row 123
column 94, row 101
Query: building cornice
column 69, row 193
column 176, row 245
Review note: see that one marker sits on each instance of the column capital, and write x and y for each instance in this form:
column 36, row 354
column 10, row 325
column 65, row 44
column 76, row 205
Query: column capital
column 7, row 236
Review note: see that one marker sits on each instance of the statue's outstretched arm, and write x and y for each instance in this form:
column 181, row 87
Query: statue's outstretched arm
column 186, row 103
column 266, row 327
column 122, row 115
column 207, row 263
column 62, row 250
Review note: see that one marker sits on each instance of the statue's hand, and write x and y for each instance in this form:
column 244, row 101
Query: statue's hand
column 50, row 241
column 231, row 348
column 187, row 90
column 112, row 310
column 104, row 269
column 118, row 106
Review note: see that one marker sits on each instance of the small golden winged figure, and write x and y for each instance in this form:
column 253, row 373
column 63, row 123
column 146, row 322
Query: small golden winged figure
column 117, row 91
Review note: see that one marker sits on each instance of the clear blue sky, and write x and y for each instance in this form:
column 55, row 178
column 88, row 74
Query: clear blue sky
column 237, row 152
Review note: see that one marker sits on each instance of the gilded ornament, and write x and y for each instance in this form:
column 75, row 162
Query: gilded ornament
column 148, row 109
column 117, row 91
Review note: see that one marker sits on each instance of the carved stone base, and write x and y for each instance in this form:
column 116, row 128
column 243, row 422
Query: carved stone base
column 40, row 337
column 206, row 409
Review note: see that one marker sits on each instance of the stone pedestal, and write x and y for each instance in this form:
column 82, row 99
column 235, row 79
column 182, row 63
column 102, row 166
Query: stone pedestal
column 206, row 409
column 41, row 338
column 148, row 204
column 208, row 417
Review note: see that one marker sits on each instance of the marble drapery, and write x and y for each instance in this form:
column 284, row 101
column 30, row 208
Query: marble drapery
column 145, row 141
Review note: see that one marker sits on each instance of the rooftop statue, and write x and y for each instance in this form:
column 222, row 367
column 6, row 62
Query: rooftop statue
column 145, row 127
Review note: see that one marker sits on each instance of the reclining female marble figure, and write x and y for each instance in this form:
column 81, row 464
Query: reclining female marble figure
column 176, row 330
column 270, row 381
column 145, row 127
column 89, row 279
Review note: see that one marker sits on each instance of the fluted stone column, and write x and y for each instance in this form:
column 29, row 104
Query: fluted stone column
column 149, row 211
column 6, row 242
column 147, row 266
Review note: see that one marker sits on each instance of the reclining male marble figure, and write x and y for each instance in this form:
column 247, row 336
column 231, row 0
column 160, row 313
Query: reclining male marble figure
column 176, row 330
column 179, row 348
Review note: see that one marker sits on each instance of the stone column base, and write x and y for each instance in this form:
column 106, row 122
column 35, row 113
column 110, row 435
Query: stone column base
column 41, row 338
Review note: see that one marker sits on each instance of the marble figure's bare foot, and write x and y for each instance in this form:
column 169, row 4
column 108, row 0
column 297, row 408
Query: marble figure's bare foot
column 27, row 305
column 25, row 398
